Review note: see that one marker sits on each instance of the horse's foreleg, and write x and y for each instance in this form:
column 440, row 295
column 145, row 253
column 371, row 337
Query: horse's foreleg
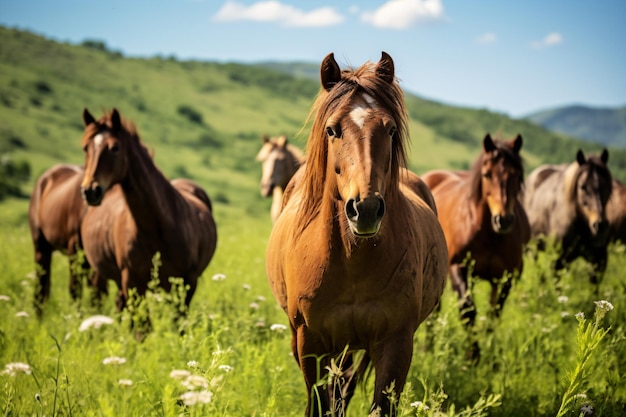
column 43, row 260
column 313, row 369
column 391, row 360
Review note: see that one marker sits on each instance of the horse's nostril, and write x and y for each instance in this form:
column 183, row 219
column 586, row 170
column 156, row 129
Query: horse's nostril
column 351, row 210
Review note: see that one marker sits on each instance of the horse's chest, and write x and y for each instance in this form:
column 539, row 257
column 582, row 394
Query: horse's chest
column 354, row 303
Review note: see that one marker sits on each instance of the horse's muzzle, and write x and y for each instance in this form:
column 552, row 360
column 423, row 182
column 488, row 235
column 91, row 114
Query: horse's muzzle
column 600, row 232
column 365, row 216
column 92, row 195
column 502, row 223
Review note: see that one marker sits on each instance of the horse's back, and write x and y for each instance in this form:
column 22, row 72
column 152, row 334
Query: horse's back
column 56, row 207
column 544, row 189
column 616, row 211
column 185, row 185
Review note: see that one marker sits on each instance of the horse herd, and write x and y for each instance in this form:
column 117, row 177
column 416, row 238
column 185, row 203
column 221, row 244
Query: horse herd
column 360, row 247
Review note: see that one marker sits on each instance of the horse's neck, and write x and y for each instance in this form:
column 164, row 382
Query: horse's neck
column 149, row 195
column 277, row 202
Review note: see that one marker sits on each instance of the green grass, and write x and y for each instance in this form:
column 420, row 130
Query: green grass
column 524, row 368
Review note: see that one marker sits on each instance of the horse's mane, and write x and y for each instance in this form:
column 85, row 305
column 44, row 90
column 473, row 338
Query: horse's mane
column 353, row 83
column 503, row 150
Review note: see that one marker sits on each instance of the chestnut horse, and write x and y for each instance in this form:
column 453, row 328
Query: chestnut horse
column 568, row 202
column 616, row 212
column 55, row 212
column 357, row 258
column 484, row 222
column 126, row 226
column 280, row 161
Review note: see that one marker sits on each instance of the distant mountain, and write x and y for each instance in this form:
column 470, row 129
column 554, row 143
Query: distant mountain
column 606, row 126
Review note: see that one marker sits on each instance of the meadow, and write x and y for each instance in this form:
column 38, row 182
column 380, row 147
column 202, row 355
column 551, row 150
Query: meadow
column 234, row 357
column 554, row 351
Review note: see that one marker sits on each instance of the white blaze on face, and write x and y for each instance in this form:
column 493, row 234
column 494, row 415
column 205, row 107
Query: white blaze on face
column 361, row 111
column 98, row 139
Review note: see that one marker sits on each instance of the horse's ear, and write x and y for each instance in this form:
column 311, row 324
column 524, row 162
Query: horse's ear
column 116, row 120
column 580, row 157
column 282, row 141
column 517, row 143
column 488, row 144
column 265, row 138
column 385, row 68
column 87, row 117
column 604, row 157
column 330, row 72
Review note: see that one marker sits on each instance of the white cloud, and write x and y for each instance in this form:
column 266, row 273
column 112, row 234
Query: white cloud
column 550, row 39
column 275, row 11
column 402, row 14
column 486, row 38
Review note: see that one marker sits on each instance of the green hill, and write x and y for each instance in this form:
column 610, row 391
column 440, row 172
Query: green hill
column 601, row 125
column 204, row 120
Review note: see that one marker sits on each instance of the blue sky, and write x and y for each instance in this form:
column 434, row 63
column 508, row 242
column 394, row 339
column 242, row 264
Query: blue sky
column 513, row 57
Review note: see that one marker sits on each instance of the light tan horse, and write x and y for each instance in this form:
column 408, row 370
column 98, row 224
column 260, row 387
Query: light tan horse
column 55, row 212
column 127, row 225
column 357, row 258
column 280, row 160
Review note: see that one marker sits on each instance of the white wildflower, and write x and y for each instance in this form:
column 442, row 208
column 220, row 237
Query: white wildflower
column 4, row 297
column 260, row 298
column 21, row 314
column 114, row 360
column 246, row 287
column 564, row 313
column 193, row 382
column 580, row 315
column 419, row 405
column 219, row 277
column 179, row 374
column 254, row 306
column 15, row 368
column 96, row 322
column 196, row 397
column 225, row 368
column 192, row 364
column 562, row 299
column 604, row 305
column 125, row 382
column 278, row 328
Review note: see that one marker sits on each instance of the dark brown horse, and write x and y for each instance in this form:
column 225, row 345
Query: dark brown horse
column 55, row 212
column 127, row 225
column 616, row 211
column 484, row 222
column 280, row 161
column 568, row 203
column 357, row 258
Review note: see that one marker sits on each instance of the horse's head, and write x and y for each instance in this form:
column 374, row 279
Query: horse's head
column 362, row 121
column 501, row 178
column 592, row 190
column 278, row 164
column 106, row 160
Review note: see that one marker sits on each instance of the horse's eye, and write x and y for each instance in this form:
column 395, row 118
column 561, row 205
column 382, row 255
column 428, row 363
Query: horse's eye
column 487, row 175
column 392, row 132
column 336, row 133
column 115, row 147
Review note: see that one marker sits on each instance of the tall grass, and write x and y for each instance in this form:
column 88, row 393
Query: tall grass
column 233, row 358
